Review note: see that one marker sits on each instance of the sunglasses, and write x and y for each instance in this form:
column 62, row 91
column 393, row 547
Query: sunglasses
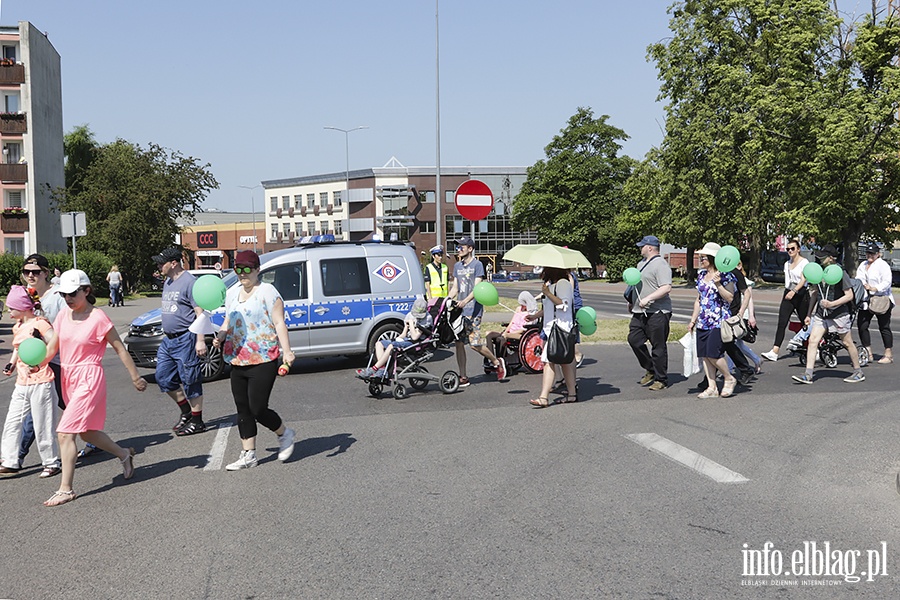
column 33, row 272
column 792, row 249
column 706, row 258
column 72, row 294
column 243, row 270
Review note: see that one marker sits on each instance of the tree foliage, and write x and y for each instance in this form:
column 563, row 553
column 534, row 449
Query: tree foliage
column 573, row 196
column 132, row 197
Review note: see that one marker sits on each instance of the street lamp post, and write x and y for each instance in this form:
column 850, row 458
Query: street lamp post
column 346, row 133
column 252, row 209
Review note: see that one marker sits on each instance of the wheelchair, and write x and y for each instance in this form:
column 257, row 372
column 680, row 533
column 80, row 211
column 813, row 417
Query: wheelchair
column 522, row 354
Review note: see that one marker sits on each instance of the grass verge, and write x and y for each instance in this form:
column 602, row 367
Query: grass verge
column 608, row 330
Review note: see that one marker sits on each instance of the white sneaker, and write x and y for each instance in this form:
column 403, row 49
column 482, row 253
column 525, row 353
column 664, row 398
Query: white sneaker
column 286, row 444
column 769, row 356
column 246, row 460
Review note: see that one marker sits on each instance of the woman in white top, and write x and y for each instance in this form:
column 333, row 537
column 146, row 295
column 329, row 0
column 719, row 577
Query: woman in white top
column 559, row 296
column 795, row 299
column 875, row 274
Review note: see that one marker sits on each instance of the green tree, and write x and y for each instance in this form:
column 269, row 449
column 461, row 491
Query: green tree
column 573, row 196
column 132, row 198
column 80, row 148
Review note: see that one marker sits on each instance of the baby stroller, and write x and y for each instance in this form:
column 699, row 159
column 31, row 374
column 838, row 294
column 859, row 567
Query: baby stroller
column 829, row 347
column 406, row 365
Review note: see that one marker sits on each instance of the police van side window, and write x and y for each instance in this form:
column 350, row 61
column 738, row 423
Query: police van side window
column 289, row 280
column 345, row 277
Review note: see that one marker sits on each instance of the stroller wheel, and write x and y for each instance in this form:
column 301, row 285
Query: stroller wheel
column 399, row 391
column 864, row 357
column 416, row 383
column 449, row 382
column 828, row 357
column 375, row 389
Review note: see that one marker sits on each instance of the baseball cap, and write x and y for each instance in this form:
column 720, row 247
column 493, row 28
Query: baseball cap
column 437, row 249
column 71, row 280
column 167, row 255
column 19, row 299
column 648, row 240
column 826, row 251
column 247, row 258
column 872, row 249
column 418, row 308
column 466, row 241
column 39, row 260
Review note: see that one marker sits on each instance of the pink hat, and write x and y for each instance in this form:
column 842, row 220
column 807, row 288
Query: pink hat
column 18, row 299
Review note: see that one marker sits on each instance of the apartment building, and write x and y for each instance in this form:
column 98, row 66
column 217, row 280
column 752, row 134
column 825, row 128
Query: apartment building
column 31, row 139
column 393, row 201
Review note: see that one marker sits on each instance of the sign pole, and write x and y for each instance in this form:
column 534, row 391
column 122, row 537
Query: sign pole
column 74, row 253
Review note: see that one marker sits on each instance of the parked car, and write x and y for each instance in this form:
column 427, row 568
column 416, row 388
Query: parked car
column 771, row 265
column 515, row 276
column 340, row 298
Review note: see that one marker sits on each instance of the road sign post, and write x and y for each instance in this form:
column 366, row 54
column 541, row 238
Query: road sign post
column 73, row 225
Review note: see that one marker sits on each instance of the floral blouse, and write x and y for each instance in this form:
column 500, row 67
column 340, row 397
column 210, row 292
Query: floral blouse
column 251, row 338
column 713, row 308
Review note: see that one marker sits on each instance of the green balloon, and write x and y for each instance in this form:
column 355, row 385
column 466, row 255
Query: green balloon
column 813, row 273
column 209, row 292
column 587, row 327
column 32, row 351
column 486, row 294
column 631, row 276
column 586, row 314
column 727, row 259
column 833, row 274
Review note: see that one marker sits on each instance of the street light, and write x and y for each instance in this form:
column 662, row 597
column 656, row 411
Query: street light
column 346, row 133
column 252, row 209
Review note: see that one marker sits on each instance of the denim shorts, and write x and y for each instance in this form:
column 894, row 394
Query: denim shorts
column 177, row 365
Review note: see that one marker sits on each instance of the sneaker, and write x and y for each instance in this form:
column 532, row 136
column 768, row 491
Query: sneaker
column 286, row 444
column 856, row 377
column 50, row 472
column 246, row 460
column 365, row 373
column 88, row 450
column 656, row 386
column 464, row 382
column 501, row 369
column 745, row 378
column 191, row 428
column 647, row 378
column 794, row 346
column 182, row 421
column 769, row 356
column 802, row 378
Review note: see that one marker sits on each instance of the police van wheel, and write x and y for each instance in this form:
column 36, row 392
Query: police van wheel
column 449, row 382
column 375, row 390
column 212, row 365
column 388, row 331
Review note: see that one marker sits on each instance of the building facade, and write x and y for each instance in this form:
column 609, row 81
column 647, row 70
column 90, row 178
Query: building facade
column 31, row 137
column 393, row 202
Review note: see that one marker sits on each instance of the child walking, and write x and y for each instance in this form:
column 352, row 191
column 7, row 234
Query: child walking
column 82, row 334
column 35, row 392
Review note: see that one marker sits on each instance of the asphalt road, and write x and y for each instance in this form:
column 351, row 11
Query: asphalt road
column 477, row 495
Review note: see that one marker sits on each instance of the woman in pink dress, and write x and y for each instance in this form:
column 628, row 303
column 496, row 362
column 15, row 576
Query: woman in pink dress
column 81, row 336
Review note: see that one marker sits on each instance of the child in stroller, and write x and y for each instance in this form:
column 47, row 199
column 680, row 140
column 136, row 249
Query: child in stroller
column 401, row 359
column 829, row 346
column 520, row 344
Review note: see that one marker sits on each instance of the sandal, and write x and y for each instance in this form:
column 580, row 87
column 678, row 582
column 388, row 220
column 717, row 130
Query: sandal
column 885, row 360
column 541, row 402
column 50, row 472
column 728, row 388
column 59, row 497
column 709, row 393
column 128, row 464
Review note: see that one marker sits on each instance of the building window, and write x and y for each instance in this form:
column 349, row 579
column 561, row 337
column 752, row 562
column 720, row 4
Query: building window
column 14, row 199
column 337, row 228
column 396, row 207
column 273, row 203
column 12, row 152
column 323, row 199
column 311, row 227
column 15, row 246
column 298, row 228
column 449, row 197
column 285, row 202
column 298, row 201
column 286, row 229
column 337, row 198
column 429, row 197
column 9, row 52
column 310, row 201
column 11, row 102
column 274, row 232
column 426, row 227
column 323, row 226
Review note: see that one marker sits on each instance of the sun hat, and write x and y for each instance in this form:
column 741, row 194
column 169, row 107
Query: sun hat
column 710, row 249
column 19, row 298
column 71, row 280
column 418, row 308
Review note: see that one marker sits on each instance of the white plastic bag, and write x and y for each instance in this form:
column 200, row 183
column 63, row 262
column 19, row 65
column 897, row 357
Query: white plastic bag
column 691, row 362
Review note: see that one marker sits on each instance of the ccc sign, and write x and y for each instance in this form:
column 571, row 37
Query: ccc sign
column 208, row 239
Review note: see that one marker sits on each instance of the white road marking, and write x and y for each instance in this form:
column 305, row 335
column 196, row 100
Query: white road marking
column 217, row 454
column 689, row 458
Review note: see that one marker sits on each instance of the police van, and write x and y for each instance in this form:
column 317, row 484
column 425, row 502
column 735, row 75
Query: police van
column 340, row 298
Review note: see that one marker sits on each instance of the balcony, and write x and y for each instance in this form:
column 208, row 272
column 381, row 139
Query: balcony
column 13, row 173
column 11, row 73
column 13, row 123
column 14, row 222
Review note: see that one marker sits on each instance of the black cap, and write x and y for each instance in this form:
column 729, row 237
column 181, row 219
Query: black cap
column 826, row 251
column 167, row 255
column 872, row 249
column 39, row 260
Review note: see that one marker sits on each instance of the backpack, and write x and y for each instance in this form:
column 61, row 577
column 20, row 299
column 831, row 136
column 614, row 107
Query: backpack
column 860, row 294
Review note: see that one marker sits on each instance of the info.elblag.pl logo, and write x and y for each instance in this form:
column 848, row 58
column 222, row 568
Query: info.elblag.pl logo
column 813, row 563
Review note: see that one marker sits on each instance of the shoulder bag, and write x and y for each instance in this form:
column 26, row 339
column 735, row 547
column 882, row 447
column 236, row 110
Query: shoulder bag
column 879, row 304
column 561, row 343
column 733, row 328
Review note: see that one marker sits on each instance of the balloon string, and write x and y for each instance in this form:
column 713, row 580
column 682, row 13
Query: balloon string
column 506, row 307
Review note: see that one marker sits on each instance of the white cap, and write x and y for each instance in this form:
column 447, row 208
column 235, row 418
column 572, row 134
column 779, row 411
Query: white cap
column 71, row 280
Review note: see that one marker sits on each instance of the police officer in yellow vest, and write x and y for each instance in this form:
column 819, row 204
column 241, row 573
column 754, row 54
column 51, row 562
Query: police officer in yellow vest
column 436, row 275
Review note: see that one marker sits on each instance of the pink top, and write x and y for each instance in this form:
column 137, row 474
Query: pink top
column 21, row 332
column 81, row 348
column 517, row 323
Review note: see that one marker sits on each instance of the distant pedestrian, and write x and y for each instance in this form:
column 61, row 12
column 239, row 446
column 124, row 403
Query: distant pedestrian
column 876, row 276
column 650, row 315
column 82, row 334
column 795, row 299
column 114, row 278
column 55, row 279
column 250, row 337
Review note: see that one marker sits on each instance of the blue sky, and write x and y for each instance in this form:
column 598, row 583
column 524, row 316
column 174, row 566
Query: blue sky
column 249, row 86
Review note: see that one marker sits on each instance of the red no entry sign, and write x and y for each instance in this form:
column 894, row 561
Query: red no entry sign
column 474, row 200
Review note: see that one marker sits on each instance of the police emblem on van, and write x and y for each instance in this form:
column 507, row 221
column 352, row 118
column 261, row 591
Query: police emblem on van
column 388, row 271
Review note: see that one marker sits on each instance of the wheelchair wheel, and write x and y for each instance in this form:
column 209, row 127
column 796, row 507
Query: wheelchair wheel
column 416, row 383
column 530, row 348
column 399, row 391
column 828, row 357
column 375, row 389
column 864, row 357
column 449, row 382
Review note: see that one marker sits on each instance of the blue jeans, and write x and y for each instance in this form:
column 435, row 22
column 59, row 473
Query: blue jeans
column 177, row 365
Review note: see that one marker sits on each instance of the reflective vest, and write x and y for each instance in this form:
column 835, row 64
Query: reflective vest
column 438, row 281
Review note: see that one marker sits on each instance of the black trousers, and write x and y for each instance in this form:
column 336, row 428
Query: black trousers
column 864, row 317
column 798, row 304
column 251, row 387
column 652, row 327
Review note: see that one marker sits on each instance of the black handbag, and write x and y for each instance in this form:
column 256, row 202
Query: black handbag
column 561, row 343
